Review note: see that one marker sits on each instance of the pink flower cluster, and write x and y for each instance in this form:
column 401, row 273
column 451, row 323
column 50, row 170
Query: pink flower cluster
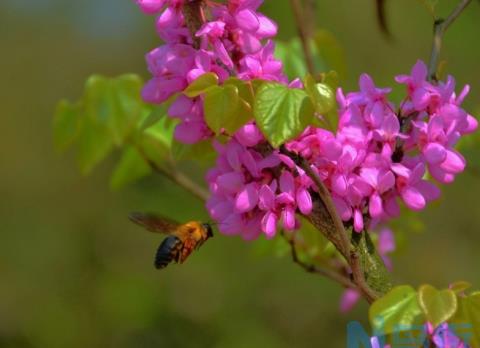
column 230, row 43
column 378, row 155
column 252, row 191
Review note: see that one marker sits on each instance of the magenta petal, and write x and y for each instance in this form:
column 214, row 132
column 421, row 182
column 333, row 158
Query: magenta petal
column 349, row 298
column 386, row 241
column 269, row 224
column 343, row 209
column 304, row 201
column 221, row 210
column 230, row 182
column 441, row 175
column 287, row 183
column 434, row 153
column 419, row 71
column 190, row 132
column 428, row 190
column 454, row 162
column 232, row 225
column 247, row 198
column 266, row 198
column 267, row 28
column 391, row 206
column 391, row 125
column 247, row 20
column 413, row 198
column 358, row 220
column 472, row 125
column 150, row 6
column 375, row 206
column 181, row 107
column 339, row 184
column 285, row 198
column 288, row 218
column 386, row 182
column 248, row 135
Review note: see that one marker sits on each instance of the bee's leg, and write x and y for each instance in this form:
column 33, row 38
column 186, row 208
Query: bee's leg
column 188, row 247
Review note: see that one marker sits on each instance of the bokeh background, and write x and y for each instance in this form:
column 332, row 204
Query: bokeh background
column 75, row 273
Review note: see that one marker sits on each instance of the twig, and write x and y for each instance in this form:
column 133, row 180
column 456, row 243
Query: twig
column 440, row 27
column 335, row 276
column 303, row 34
column 177, row 177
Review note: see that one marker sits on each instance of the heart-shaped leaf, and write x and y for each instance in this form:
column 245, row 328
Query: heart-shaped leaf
column 282, row 113
column 397, row 311
column 468, row 314
column 201, row 84
column 224, row 109
column 437, row 305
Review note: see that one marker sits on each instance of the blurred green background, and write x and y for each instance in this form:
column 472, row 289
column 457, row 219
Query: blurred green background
column 76, row 273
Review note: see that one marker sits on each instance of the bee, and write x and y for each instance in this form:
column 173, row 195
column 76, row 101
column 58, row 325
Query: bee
column 182, row 239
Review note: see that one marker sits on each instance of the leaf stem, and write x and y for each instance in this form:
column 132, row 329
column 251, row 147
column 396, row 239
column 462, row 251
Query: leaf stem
column 439, row 28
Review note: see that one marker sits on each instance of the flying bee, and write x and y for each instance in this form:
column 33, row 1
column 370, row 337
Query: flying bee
column 182, row 239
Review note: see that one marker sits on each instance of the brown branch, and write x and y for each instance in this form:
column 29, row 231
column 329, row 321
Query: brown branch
column 439, row 28
column 303, row 34
column 340, row 236
column 326, row 272
column 194, row 18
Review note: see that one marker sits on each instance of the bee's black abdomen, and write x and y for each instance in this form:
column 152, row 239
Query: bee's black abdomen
column 167, row 251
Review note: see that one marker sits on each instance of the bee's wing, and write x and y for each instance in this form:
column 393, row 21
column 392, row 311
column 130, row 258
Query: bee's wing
column 154, row 223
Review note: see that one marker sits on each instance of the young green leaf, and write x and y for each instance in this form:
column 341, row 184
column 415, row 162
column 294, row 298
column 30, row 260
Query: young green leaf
column 201, row 84
column 396, row 310
column 469, row 313
column 322, row 96
column 114, row 103
column 437, row 305
column 224, row 109
column 66, row 124
column 282, row 113
column 94, row 144
column 131, row 167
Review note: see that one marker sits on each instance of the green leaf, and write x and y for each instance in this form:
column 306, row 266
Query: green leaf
column 323, row 99
column 282, row 113
column 246, row 89
column 469, row 313
column 66, row 125
column 224, row 109
column 376, row 274
column 157, row 114
column 131, row 167
column 156, row 141
column 201, row 84
column 437, row 305
column 396, row 311
column 114, row 103
column 331, row 51
column 94, row 144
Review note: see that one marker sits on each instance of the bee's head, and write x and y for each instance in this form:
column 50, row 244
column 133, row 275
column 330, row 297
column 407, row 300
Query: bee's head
column 209, row 230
